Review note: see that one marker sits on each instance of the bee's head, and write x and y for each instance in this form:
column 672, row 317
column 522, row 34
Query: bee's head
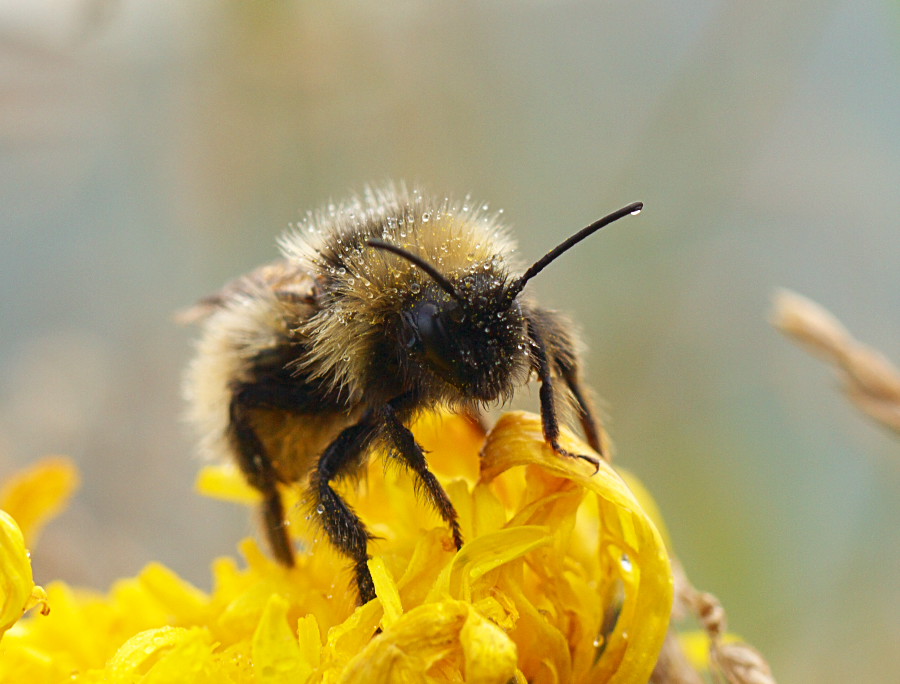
column 475, row 343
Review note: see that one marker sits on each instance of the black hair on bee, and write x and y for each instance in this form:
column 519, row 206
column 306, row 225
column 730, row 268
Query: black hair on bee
column 380, row 308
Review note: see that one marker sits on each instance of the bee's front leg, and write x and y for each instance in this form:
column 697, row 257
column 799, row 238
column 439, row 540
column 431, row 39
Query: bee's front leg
column 344, row 528
column 413, row 456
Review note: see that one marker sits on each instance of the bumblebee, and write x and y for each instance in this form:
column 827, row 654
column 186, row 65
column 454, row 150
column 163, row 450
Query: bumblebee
column 380, row 308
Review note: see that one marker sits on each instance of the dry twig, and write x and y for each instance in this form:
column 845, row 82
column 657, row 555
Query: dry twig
column 869, row 379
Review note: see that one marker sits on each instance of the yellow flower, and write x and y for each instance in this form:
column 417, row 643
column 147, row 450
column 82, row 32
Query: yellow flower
column 564, row 578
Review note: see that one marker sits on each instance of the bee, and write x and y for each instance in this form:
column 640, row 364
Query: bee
column 383, row 307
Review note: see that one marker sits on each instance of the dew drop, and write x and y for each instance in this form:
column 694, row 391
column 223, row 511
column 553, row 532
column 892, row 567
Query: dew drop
column 426, row 217
column 320, row 509
column 626, row 563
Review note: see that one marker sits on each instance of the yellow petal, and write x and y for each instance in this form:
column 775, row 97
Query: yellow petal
column 35, row 495
column 224, row 481
column 276, row 653
column 489, row 552
column 647, row 503
column 452, row 442
column 166, row 654
column 310, row 640
column 175, row 595
column 386, row 589
column 490, row 654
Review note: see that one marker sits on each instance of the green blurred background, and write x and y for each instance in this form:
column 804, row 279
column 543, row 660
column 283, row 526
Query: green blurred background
column 152, row 150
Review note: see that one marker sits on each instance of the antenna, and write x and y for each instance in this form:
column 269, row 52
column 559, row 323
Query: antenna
column 543, row 262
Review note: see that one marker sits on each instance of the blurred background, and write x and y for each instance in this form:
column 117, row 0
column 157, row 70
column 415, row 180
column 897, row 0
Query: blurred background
column 152, row 150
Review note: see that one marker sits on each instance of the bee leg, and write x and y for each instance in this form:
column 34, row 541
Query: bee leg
column 586, row 413
column 261, row 474
column 344, row 528
column 414, row 457
column 549, row 420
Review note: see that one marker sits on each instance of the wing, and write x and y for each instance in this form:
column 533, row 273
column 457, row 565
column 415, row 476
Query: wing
column 289, row 282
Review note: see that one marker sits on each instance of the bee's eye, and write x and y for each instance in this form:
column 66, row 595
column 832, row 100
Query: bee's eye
column 437, row 341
